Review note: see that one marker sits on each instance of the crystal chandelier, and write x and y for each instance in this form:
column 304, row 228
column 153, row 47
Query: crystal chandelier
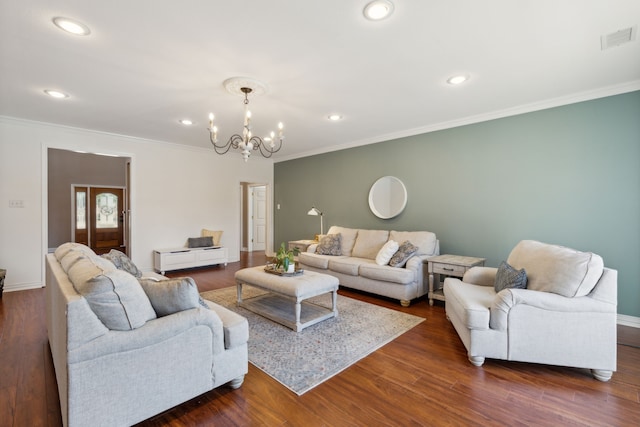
column 247, row 142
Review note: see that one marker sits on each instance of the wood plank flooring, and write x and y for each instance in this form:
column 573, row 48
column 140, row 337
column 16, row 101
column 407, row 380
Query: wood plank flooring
column 421, row 378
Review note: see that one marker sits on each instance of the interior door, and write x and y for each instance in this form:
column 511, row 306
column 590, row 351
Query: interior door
column 106, row 219
column 259, row 218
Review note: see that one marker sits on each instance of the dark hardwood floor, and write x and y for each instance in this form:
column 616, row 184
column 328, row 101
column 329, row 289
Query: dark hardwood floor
column 421, row 378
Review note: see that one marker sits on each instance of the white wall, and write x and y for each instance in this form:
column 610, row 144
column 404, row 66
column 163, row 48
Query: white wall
column 176, row 191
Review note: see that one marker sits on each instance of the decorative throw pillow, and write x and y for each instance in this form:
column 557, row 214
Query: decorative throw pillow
column 405, row 251
column 330, row 245
column 217, row 235
column 508, row 277
column 172, row 295
column 117, row 299
column 122, row 262
column 200, row 242
column 386, row 252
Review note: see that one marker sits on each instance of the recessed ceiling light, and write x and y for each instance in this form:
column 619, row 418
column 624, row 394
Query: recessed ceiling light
column 186, row 122
column 56, row 93
column 334, row 117
column 378, row 10
column 71, row 26
column 457, row 79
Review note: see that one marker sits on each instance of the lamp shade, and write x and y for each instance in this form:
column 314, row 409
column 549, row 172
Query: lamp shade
column 315, row 212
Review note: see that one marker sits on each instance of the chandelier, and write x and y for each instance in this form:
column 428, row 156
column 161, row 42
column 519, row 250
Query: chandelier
column 247, row 142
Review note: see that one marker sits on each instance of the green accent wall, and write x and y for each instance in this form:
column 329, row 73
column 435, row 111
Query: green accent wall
column 568, row 175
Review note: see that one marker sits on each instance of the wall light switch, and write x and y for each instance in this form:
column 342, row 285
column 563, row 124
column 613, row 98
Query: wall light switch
column 16, row 203
column 278, row 206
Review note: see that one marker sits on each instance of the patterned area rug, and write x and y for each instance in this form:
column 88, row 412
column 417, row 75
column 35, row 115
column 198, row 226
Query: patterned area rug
column 301, row 361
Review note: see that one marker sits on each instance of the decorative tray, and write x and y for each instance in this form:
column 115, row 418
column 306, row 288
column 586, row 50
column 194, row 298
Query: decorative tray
column 279, row 272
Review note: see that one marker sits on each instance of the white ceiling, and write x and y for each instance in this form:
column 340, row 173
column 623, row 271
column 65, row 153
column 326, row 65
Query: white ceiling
column 149, row 63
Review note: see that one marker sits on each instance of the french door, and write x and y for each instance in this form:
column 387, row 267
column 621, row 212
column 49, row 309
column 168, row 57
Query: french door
column 99, row 220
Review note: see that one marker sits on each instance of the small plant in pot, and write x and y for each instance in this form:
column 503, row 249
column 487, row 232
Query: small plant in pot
column 285, row 257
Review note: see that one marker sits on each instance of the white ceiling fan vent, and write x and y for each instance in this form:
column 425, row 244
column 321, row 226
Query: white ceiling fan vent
column 618, row 38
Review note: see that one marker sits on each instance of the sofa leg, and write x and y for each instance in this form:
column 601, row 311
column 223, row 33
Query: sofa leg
column 236, row 382
column 476, row 360
column 405, row 303
column 601, row 374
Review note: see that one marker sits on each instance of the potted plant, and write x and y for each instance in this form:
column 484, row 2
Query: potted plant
column 285, row 257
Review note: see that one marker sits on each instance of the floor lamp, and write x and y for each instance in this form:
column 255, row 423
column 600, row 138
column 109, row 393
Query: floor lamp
column 315, row 212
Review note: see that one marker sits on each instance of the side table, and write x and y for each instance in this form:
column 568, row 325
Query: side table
column 450, row 265
column 302, row 245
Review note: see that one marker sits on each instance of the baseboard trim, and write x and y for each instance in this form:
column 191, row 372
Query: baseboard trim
column 22, row 287
column 625, row 320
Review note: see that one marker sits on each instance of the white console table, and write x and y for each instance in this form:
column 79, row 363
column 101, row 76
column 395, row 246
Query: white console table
column 180, row 258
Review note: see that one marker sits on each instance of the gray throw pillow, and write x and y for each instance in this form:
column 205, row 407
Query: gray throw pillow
column 508, row 277
column 122, row 262
column 117, row 299
column 172, row 295
column 200, row 242
column 405, row 251
column 330, row 245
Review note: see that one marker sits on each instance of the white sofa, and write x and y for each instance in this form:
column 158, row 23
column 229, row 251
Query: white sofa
column 565, row 316
column 356, row 266
column 125, row 350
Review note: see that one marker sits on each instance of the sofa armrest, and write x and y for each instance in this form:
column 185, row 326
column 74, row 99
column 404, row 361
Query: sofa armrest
column 507, row 299
column 153, row 332
column 482, row 276
column 235, row 326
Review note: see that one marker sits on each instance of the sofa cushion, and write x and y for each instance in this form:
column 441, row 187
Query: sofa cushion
column 405, row 251
column 369, row 242
column 426, row 241
column 557, row 269
column 386, row 252
column 387, row 274
column 215, row 234
column 65, row 248
column 314, row 260
column 122, row 262
column 348, row 238
column 508, row 277
column 470, row 302
column 117, row 299
column 172, row 295
column 329, row 245
column 346, row 265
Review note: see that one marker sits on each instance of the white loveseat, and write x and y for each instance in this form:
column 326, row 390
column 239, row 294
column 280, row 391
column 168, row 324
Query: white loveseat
column 123, row 353
column 565, row 316
column 356, row 265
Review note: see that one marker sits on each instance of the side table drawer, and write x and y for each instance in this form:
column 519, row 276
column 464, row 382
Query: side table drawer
column 453, row 270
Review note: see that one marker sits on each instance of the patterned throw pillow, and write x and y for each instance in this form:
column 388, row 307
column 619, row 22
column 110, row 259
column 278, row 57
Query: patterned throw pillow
column 508, row 277
column 330, row 245
column 405, row 251
column 122, row 262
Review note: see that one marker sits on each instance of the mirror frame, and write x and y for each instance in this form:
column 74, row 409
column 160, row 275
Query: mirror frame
column 374, row 193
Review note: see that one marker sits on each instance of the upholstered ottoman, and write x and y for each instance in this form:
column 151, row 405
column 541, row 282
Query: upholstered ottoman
column 285, row 299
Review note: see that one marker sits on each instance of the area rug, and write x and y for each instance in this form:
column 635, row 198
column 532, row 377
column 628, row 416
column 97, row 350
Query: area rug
column 302, row 360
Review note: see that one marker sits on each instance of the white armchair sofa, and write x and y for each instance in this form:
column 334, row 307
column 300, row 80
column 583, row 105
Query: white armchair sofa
column 566, row 316
column 126, row 349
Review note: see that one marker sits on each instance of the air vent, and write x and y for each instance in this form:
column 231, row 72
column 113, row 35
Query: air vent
column 618, row 38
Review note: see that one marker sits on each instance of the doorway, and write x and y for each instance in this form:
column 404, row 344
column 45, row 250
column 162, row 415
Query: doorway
column 99, row 217
column 254, row 217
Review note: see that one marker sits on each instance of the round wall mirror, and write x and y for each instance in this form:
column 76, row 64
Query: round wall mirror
column 387, row 197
